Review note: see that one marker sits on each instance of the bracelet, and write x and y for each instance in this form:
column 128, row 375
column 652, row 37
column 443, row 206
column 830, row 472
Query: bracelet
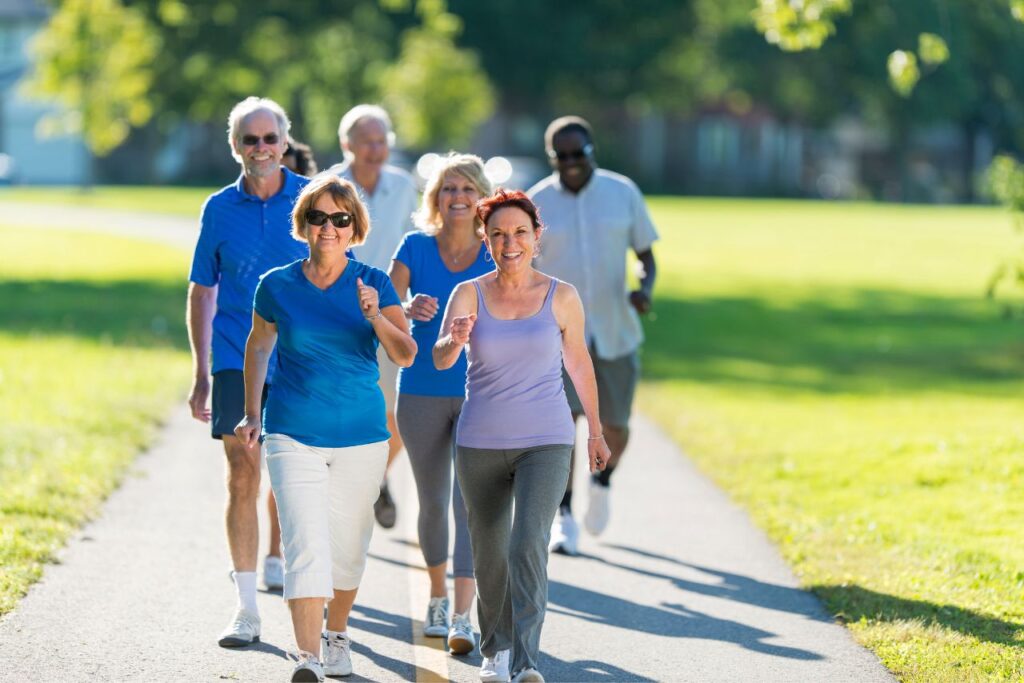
column 374, row 317
column 595, row 438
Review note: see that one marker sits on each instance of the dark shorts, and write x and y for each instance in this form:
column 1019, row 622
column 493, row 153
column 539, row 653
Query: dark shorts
column 228, row 405
column 616, row 386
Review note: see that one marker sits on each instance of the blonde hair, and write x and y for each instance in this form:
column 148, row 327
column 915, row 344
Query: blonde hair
column 344, row 194
column 471, row 167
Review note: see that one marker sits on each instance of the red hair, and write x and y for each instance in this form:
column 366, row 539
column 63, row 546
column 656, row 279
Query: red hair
column 503, row 199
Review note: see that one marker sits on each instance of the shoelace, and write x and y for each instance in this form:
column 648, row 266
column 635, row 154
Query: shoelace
column 301, row 656
column 437, row 613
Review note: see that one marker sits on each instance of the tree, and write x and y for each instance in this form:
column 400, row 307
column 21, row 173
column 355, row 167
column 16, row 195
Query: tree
column 93, row 58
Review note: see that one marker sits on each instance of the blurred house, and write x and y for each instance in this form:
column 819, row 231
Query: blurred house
column 25, row 158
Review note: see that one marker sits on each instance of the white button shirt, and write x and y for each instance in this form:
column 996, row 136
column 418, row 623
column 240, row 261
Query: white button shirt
column 390, row 207
column 587, row 236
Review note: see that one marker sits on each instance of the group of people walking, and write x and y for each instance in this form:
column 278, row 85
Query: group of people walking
column 476, row 325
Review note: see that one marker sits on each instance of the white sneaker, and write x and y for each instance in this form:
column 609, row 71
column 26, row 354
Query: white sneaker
column 495, row 669
column 438, row 617
column 273, row 573
column 337, row 651
column 565, row 534
column 461, row 639
column 598, row 509
column 243, row 630
column 528, row 675
column 308, row 669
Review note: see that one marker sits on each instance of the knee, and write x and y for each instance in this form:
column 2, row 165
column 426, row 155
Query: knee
column 243, row 476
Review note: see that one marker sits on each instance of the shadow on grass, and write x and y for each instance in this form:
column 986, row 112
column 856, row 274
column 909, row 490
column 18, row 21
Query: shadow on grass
column 861, row 341
column 139, row 313
column 853, row 603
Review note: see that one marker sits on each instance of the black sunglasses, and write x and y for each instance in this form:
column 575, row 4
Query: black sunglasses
column 269, row 138
column 582, row 153
column 341, row 219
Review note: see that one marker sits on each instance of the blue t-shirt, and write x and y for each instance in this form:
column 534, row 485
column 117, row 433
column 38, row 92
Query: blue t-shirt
column 325, row 391
column 429, row 275
column 241, row 237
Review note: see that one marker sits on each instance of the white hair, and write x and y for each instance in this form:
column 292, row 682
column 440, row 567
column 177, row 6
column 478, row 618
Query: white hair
column 249, row 106
column 357, row 115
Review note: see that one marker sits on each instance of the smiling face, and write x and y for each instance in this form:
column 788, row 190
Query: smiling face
column 262, row 159
column 572, row 155
column 326, row 239
column 511, row 239
column 456, row 199
column 368, row 144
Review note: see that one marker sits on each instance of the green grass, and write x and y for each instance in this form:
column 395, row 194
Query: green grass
column 835, row 368
column 178, row 201
column 92, row 355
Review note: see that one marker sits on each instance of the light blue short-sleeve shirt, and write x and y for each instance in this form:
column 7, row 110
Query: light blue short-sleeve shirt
column 325, row 390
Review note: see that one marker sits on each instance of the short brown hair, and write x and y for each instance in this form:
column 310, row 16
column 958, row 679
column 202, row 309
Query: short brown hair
column 344, row 194
column 503, row 199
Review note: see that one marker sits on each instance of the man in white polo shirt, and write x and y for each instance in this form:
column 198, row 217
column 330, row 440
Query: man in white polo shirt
column 592, row 218
column 390, row 196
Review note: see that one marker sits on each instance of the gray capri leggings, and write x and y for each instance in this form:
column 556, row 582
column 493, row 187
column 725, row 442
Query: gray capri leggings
column 427, row 425
column 511, row 542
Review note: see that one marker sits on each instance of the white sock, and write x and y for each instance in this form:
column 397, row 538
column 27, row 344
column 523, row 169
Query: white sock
column 245, row 584
column 334, row 634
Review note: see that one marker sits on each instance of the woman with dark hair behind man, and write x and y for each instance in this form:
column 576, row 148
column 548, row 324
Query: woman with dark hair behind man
column 515, row 432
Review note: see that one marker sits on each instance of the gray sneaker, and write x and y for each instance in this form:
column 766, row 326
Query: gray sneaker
column 308, row 669
column 461, row 639
column 337, row 651
column 243, row 630
column 436, row 623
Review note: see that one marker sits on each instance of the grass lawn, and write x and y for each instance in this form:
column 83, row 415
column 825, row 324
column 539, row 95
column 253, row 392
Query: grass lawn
column 834, row 368
column 92, row 354
column 178, row 201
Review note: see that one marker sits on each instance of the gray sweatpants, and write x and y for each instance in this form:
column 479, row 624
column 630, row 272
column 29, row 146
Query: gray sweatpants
column 510, row 549
column 427, row 425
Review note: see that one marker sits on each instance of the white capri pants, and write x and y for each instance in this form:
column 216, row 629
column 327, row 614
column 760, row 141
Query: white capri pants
column 325, row 502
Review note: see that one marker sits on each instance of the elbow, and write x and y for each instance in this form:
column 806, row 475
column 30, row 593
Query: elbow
column 408, row 355
column 440, row 362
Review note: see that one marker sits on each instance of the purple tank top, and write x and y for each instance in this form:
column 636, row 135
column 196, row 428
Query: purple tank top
column 514, row 392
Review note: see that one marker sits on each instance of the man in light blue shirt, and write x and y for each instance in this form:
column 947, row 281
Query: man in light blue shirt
column 390, row 197
column 245, row 230
column 592, row 219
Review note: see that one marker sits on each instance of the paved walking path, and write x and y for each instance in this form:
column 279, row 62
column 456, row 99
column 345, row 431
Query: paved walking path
column 680, row 588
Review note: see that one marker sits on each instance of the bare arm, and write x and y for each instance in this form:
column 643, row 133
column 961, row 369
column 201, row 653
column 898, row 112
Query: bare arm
column 389, row 324
column 459, row 318
column 421, row 307
column 258, row 348
column 568, row 311
column 199, row 310
column 642, row 298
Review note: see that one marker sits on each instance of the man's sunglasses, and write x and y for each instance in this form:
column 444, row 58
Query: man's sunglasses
column 341, row 219
column 573, row 155
column 252, row 140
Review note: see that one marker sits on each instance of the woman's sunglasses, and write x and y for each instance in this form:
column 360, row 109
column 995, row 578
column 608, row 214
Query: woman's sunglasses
column 341, row 219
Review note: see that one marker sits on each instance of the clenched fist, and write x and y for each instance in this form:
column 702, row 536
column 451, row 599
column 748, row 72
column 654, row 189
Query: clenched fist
column 462, row 326
column 369, row 301
column 423, row 307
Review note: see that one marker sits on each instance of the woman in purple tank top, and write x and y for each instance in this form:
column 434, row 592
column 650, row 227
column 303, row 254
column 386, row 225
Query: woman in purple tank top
column 515, row 432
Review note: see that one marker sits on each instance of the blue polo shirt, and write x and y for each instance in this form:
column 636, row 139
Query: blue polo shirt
column 429, row 275
column 241, row 237
column 325, row 391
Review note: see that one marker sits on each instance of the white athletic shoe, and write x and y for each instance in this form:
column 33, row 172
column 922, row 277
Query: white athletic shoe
column 243, row 630
column 565, row 533
column 337, row 651
column 308, row 669
column 598, row 509
column 528, row 675
column 461, row 639
column 273, row 573
column 438, row 618
column 495, row 669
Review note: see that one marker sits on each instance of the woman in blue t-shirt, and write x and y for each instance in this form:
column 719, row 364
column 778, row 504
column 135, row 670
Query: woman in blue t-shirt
column 324, row 423
column 428, row 265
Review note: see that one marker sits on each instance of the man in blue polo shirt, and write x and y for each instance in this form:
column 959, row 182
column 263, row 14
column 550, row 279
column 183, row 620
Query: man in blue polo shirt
column 245, row 230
